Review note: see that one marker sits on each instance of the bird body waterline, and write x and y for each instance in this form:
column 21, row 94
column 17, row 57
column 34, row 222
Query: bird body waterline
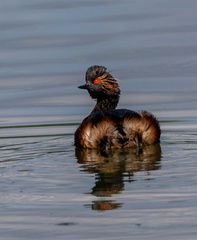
column 108, row 127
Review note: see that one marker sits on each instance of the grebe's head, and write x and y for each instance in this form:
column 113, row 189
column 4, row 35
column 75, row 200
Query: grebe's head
column 100, row 83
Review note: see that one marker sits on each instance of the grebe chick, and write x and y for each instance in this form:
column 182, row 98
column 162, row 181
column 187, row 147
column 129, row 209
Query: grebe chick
column 107, row 127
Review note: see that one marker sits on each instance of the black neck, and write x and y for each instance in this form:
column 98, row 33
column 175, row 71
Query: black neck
column 106, row 104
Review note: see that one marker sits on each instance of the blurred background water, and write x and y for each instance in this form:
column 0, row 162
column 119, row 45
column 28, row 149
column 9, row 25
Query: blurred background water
column 49, row 189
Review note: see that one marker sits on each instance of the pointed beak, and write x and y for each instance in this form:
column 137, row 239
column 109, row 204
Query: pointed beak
column 85, row 86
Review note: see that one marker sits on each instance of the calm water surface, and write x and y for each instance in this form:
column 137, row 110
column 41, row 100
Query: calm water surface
column 49, row 189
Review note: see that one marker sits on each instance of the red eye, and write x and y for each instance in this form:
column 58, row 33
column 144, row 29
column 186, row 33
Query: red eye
column 96, row 81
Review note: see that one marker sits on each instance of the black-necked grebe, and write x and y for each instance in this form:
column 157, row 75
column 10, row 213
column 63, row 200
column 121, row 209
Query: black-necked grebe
column 107, row 127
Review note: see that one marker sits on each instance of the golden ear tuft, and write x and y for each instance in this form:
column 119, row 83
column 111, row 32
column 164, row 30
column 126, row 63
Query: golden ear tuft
column 104, row 78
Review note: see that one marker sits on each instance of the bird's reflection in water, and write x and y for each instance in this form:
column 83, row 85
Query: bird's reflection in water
column 114, row 167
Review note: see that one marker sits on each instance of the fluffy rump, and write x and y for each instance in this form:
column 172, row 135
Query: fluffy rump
column 145, row 128
column 118, row 129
